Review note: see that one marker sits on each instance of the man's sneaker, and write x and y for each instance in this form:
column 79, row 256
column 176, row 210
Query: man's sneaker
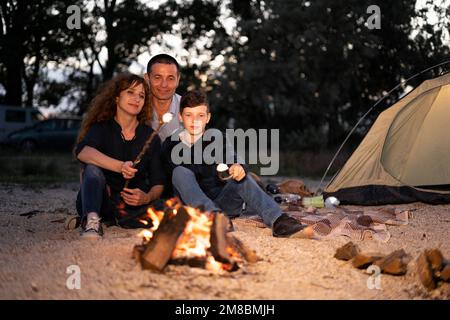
column 286, row 226
column 93, row 229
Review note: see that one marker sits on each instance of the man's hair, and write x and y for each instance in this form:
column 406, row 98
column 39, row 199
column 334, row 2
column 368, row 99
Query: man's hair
column 162, row 58
column 194, row 99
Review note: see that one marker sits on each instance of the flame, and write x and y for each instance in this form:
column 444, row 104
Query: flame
column 213, row 265
column 195, row 240
column 146, row 235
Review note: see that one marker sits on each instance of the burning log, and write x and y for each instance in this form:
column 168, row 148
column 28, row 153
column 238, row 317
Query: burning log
column 248, row 254
column 159, row 250
column 219, row 241
column 188, row 236
column 195, row 262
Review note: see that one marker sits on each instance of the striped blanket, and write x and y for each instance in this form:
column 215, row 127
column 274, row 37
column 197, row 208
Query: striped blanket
column 362, row 224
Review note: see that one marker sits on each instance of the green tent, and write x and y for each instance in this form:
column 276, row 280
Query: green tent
column 405, row 157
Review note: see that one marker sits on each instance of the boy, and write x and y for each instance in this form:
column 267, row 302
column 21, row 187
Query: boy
column 198, row 184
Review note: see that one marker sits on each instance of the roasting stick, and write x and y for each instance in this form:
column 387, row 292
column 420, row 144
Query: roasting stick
column 166, row 118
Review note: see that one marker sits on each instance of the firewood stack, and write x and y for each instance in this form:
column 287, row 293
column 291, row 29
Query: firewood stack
column 224, row 252
column 394, row 263
column 431, row 266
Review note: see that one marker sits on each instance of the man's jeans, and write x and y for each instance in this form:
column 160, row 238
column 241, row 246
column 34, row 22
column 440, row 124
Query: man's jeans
column 230, row 199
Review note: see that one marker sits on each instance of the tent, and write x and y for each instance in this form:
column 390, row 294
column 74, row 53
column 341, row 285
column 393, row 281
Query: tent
column 405, row 156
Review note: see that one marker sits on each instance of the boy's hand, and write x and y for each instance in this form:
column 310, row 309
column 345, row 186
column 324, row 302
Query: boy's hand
column 127, row 170
column 134, row 197
column 237, row 172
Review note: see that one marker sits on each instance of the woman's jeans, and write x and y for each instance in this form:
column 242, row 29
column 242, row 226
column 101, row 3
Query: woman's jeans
column 230, row 199
column 93, row 197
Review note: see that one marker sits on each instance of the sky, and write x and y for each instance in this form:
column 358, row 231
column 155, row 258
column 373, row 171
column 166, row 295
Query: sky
column 175, row 48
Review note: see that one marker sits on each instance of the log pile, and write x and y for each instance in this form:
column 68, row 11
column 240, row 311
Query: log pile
column 431, row 266
column 394, row 263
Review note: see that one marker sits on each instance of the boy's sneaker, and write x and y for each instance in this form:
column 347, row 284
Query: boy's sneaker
column 93, row 229
column 286, row 226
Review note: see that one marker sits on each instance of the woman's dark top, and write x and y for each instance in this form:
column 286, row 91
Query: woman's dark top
column 106, row 137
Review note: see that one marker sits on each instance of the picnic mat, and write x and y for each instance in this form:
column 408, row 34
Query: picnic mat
column 362, row 224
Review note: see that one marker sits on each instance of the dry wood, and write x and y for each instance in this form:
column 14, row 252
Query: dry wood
column 362, row 261
column 346, row 252
column 395, row 263
column 445, row 273
column 160, row 248
column 435, row 258
column 425, row 272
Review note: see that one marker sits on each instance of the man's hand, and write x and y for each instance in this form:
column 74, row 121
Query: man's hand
column 134, row 197
column 237, row 172
column 127, row 170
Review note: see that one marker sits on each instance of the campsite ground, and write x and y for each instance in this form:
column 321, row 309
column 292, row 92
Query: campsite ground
column 35, row 252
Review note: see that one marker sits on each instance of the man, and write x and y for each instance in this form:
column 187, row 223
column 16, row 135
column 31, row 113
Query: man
column 163, row 77
column 198, row 184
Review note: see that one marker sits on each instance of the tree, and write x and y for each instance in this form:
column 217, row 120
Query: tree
column 312, row 68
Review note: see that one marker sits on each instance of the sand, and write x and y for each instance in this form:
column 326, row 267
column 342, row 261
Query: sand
column 36, row 251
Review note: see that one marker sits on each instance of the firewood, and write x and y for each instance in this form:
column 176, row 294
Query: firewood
column 362, row 261
column 435, row 258
column 195, row 262
column 138, row 250
column 445, row 273
column 160, row 248
column 425, row 272
column 346, row 252
column 218, row 239
column 395, row 263
column 248, row 254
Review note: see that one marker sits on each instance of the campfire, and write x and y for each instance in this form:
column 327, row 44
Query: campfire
column 186, row 235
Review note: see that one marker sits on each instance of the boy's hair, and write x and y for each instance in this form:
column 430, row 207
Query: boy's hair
column 162, row 58
column 193, row 99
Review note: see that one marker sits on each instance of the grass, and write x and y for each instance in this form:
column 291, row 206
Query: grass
column 43, row 167
column 49, row 167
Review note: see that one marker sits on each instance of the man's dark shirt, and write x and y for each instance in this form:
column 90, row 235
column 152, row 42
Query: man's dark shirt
column 205, row 174
column 106, row 137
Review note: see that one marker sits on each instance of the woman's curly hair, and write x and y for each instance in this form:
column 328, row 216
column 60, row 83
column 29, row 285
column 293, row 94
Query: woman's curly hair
column 103, row 106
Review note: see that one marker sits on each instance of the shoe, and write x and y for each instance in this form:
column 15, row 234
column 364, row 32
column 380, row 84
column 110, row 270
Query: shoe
column 93, row 229
column 72, row 222
column 286, row 226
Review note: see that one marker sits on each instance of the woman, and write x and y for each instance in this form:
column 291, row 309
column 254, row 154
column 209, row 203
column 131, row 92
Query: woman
column 111, row 136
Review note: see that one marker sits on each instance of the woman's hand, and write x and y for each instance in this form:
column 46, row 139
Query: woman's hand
column 134, row 197
column 237, row 172
column 127, row 170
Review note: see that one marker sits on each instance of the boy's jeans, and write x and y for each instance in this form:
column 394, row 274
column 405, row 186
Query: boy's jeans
column 230, row 199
